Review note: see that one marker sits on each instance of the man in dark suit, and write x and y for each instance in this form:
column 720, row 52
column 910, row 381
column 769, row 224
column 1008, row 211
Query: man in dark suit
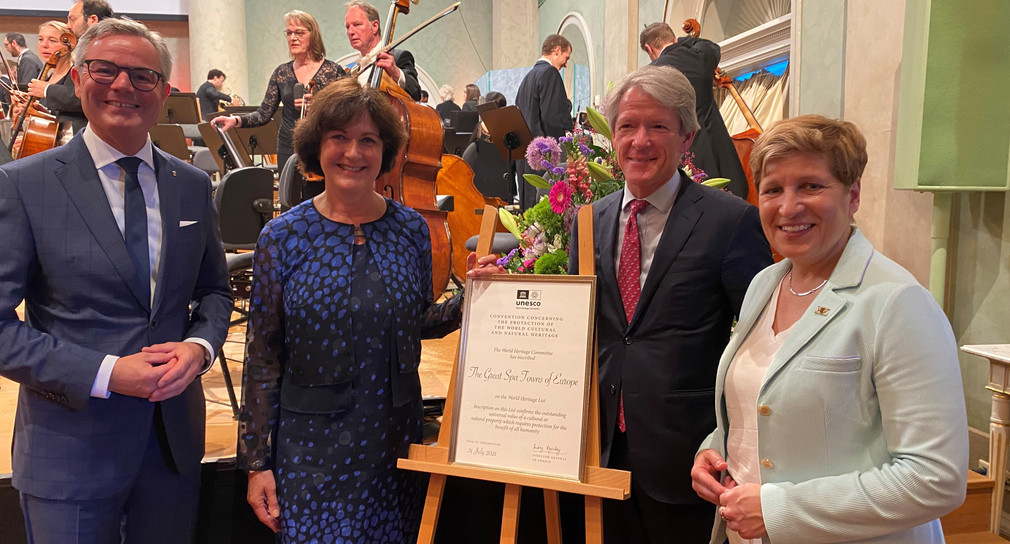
column 697, row 59
column 362, row 25
column 29, row 64
column 673, row 259
column 114, row 248
column 544, row 103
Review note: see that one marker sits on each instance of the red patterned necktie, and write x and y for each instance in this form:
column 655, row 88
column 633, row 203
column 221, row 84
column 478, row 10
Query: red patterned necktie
column 629, row 271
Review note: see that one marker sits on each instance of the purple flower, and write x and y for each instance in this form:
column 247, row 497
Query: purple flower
column 543, row 153
column 584, row 149
column 565, row 139
column 558, row 170
column 504, row 261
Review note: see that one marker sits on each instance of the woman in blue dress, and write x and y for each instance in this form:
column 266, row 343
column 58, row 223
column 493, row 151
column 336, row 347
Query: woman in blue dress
column 341, row 298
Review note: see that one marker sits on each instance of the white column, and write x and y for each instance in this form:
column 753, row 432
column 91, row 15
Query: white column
column 217, row 40
column 516, row 39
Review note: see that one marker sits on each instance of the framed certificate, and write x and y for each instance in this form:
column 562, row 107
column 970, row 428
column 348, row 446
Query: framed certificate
column 522, row 385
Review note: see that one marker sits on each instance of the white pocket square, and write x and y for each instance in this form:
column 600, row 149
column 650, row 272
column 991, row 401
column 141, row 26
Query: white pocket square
column 186, row 223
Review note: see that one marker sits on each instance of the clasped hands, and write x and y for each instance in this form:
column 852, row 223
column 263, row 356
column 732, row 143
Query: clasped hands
column 739, row 505
column 157, row 372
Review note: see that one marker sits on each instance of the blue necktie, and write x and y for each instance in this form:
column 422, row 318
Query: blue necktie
column 135, row 228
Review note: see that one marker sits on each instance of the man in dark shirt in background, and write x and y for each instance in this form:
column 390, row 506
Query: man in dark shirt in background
column 210, row 93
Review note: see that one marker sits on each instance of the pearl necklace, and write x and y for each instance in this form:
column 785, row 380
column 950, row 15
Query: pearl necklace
column 810, row 292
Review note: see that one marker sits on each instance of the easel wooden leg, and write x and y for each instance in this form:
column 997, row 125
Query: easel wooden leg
column 510, row 514
column 594, row 520
column 552, row 513
column 432, row 504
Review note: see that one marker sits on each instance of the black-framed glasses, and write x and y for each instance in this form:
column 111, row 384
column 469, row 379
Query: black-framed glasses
column 105, row 72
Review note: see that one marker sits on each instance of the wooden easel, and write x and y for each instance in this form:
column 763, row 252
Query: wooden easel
column 599, row 483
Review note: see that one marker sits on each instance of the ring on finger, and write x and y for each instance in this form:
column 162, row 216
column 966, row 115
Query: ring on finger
column 722, row 513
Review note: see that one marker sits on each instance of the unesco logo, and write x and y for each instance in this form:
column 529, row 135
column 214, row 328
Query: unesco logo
column 527, row 298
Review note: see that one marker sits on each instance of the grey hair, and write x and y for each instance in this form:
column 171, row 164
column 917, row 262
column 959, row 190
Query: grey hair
column 445, row 91
column 666, row 85
column 124, row 27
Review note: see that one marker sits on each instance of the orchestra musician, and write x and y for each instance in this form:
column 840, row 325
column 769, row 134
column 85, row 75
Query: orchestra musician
column 365, row 35
column 308, row 66
column 209, row 94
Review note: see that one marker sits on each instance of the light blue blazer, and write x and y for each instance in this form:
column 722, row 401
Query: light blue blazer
column 865, row 437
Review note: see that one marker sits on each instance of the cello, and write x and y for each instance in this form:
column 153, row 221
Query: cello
column 41, row 129
column 412, row 178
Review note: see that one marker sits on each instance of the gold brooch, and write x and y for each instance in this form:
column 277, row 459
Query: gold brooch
column 821, row 311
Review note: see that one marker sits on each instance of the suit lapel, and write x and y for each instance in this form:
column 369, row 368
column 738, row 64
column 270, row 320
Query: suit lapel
column 169, row 198
column 829, row 304
column 606, row 225
column 683, row 217
column 76, row 171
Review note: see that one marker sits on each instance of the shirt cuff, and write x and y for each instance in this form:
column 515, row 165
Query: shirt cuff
column 402, row 80
column 209, row 362
column 45, row 91
column 100, row 389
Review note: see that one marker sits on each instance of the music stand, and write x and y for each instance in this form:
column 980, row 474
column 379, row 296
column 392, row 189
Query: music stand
column 239, row 110
column 510, row 136
column 261, row 140
column 180, row 109
column 171, row 140
column 219, row 150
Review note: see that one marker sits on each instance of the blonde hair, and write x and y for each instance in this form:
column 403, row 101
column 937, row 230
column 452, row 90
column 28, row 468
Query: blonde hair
column 840, row 142
column 317, row 50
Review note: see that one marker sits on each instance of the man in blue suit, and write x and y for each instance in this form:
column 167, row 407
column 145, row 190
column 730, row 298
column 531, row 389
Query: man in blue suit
column 673, row 259
column 114, row 248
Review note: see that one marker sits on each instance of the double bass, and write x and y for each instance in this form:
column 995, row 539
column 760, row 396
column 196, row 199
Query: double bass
column 412, row 178
column 41, row 129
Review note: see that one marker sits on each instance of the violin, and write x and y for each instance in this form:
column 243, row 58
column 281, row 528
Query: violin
column 41, row 130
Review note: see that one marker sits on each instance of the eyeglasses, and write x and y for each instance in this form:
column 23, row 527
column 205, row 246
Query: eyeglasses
column 296, row 33
column 105, row 72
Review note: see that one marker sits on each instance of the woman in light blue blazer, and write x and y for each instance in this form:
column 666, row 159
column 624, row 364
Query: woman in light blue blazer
column 839, row 406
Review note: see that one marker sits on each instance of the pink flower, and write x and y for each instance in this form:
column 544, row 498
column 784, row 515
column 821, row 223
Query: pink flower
column 560, row 197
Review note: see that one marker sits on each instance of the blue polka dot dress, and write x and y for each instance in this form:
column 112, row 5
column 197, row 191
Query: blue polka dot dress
column 331, row 395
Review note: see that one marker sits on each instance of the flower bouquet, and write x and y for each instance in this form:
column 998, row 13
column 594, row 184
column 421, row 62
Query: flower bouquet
column 579, row 168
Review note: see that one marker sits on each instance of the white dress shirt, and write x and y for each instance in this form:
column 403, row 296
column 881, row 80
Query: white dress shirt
column 651, row 221
column 365, row 75
column 113, row 180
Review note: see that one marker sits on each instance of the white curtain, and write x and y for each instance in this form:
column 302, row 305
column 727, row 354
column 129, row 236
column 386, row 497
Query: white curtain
column 764, row 92
column 747, row 14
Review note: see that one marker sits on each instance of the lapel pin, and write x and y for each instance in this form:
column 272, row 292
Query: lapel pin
column 821, row 311
column 173, row 173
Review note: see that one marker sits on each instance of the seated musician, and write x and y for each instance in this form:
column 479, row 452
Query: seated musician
column 56, row 94
column 365, row 35
column 209, row 94
column 325, row 416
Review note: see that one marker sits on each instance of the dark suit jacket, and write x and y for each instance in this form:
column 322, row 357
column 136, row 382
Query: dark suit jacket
column 64, row 103
column 545, row 106
column 712, row 147
column 543, row 101
column 405, row 62
column 65, row 256
column 445, row 110
column 665, row 360
column 29, row 68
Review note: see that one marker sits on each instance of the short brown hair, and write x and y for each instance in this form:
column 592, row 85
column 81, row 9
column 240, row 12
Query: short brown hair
column 338, row 105
column 656, row 35
column 317, row 50
column 840, row 142
column 554, row 41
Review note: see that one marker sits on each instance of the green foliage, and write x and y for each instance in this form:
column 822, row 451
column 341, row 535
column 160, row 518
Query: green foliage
column 555, row 262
